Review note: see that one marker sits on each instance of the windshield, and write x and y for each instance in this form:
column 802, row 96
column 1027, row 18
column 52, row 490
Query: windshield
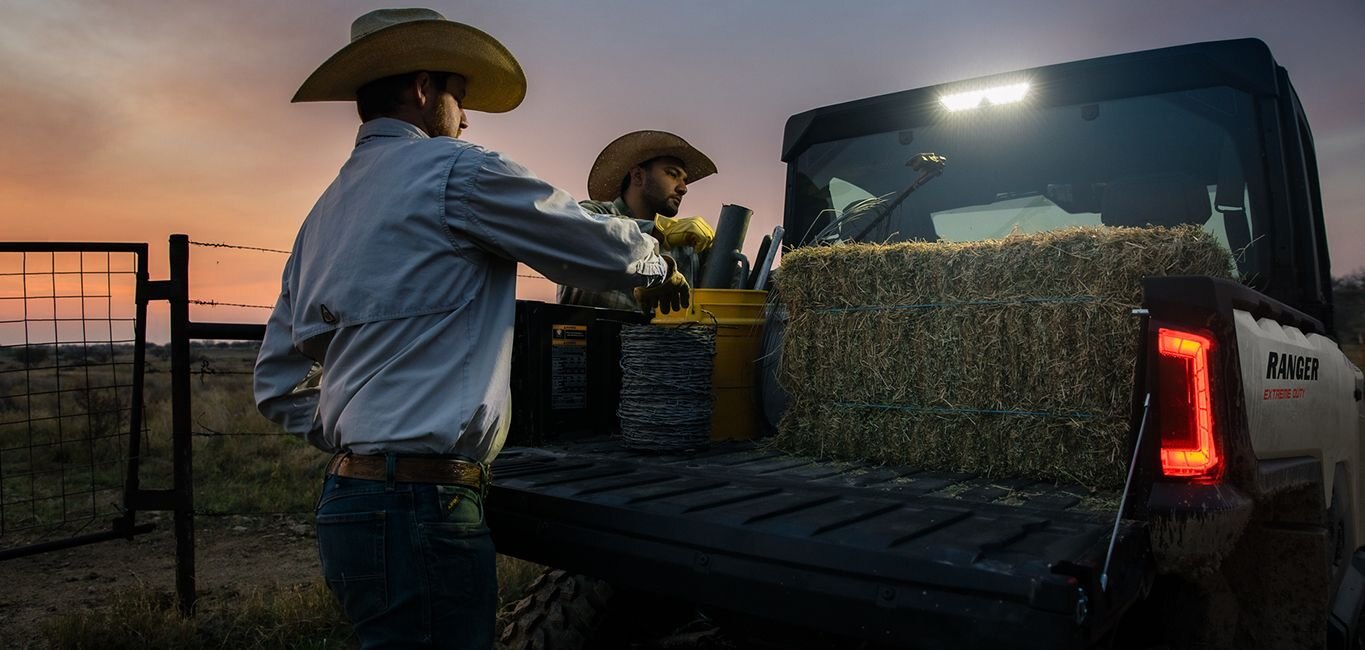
column 1182, row 157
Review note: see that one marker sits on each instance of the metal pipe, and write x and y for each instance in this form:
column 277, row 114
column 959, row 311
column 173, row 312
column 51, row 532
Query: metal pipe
column 722, row 266
column 132, row 480
column 764, row 264
column 1127, row 486
column 226, row 331
column 182, row 441
column 71, row 542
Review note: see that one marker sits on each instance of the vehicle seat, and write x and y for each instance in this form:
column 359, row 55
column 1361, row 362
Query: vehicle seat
column 1168, row 199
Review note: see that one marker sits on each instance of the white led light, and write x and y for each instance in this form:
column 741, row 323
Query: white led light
column 986, row 96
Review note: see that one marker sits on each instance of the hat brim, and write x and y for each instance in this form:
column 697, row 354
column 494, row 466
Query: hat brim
column 631, row 149
column 495, row 81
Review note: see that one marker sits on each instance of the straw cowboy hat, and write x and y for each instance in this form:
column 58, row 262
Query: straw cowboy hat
column 631, row 149
column 389, row 42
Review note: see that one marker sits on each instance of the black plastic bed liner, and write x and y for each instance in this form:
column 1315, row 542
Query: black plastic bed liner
column 885, row 554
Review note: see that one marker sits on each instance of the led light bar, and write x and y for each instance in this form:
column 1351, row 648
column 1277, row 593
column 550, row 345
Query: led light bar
column 985, row 97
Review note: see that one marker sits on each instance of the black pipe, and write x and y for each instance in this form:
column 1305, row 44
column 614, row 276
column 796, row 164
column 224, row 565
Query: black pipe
column 132, row 481
column 723, row 264
column 70, row 542
column 226, row 331
column 182, row 441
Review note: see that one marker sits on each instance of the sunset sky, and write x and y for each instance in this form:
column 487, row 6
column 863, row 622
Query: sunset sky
column 132, row 120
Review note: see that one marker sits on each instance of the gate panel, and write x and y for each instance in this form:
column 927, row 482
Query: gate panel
column 72, row 357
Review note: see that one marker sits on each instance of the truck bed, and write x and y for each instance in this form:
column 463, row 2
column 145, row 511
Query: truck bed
column 884, row 554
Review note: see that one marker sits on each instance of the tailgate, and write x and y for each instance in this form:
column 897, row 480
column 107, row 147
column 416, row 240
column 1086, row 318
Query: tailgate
column 884, row 554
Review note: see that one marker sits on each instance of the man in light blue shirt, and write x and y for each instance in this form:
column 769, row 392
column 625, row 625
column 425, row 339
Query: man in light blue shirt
column 390, row 343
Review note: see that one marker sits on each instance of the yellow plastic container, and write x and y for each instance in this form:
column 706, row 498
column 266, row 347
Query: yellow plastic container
column 738, row 317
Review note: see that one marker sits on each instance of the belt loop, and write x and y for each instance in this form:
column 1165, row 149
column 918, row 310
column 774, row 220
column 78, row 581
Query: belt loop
column 390, row 469
column 335, row 464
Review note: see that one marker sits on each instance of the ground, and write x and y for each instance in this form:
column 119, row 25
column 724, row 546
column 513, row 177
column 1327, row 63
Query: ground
column 258, row 587
column 235, row 556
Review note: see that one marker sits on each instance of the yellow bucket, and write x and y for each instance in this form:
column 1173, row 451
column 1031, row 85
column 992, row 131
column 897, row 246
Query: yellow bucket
column 738, row 317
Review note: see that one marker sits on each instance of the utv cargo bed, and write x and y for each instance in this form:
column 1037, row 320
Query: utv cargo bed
column 885, row 554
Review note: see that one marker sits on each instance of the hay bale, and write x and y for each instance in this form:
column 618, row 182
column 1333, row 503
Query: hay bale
column 1007, row 358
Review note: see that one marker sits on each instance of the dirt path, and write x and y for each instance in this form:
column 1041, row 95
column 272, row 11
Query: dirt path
column 233, row 555
column 238, row 553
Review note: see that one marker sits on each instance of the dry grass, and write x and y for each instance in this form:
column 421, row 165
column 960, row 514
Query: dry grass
column 292, row 616
column 1009, row 358
column 280, row 616
column 264, row 472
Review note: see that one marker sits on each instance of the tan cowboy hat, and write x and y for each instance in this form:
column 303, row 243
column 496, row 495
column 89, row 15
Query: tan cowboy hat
column 631, row 149
column 389, row 42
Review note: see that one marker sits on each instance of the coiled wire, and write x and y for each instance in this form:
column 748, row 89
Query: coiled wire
column 666, row 386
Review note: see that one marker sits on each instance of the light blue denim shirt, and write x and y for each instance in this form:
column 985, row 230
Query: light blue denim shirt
column 402, row 286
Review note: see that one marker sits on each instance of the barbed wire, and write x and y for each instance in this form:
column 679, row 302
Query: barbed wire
column 245, row 248
column 222, row 434
column 206, row 432
column 248, row 513
column 206, row 367
column 215, row 303
column 666, row 386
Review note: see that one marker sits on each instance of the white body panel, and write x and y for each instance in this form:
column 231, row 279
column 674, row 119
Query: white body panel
column 1300, row 398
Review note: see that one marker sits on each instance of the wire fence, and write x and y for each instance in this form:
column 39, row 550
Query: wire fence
column 82, row 440
column 523, row 273
column 68, row 385
column 239, row 461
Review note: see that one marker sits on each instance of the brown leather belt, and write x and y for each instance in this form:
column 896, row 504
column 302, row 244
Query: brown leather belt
column 409, row 469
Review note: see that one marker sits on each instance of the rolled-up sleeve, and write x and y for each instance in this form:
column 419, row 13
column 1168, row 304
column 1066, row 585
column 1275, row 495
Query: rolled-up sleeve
column 285, row 389
column 511, row 212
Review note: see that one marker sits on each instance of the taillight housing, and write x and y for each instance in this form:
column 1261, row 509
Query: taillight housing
column 1184, row 401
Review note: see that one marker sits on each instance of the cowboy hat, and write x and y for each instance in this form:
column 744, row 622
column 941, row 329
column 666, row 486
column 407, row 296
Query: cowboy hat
column 389, row 42
column 631, row 149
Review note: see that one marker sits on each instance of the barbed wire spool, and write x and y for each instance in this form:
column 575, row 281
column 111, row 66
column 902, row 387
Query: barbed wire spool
column 666, row 386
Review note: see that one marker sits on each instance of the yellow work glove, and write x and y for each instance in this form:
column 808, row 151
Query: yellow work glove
column 687, row 231
column 672, row 294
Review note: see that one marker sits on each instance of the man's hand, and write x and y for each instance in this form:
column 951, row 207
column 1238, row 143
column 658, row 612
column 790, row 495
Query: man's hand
column 687, row 231
column 672, row 294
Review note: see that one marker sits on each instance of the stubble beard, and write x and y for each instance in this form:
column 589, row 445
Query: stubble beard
column 658, row 201
column 440, row 122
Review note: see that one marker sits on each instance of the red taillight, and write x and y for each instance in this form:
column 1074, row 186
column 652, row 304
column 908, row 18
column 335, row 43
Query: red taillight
column 1188, row 449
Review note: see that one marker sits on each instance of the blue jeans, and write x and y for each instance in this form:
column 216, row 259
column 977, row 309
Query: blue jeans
column 412, row 564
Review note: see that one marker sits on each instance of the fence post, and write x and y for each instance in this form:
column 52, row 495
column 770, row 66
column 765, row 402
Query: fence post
column 182, row 442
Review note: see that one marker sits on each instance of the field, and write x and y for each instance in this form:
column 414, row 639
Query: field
column 63, row 451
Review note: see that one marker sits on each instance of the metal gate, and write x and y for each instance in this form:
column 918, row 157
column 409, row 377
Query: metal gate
column 73, row 319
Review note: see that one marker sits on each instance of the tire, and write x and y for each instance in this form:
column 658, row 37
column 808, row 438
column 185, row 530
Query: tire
column 561, row 611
